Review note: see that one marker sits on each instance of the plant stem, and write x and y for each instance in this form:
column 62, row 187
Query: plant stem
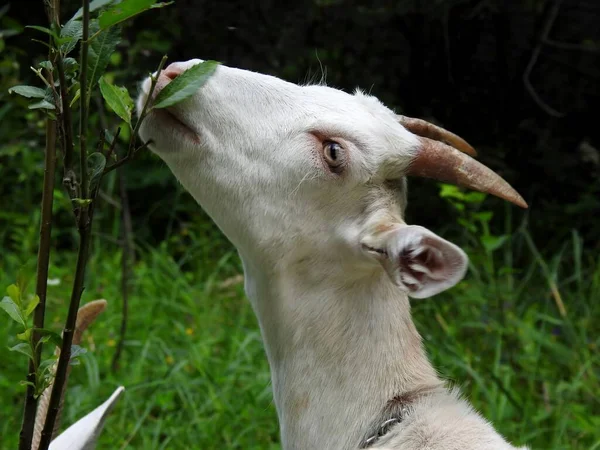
column 41, row 282
column 65, row 350
column 85, row 98
column 43, row 259
column 66, row 115
column 131, row 151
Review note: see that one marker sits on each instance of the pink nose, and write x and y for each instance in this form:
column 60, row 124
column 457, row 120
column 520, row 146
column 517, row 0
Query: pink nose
column 172, row 71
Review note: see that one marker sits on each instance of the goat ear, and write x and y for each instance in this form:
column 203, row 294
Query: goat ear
column 418, row 261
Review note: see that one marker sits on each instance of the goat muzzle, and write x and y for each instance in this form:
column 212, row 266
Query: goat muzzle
column 452, row 163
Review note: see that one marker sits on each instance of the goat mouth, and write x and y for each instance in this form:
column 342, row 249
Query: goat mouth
column 172, row 119
column 370, row 249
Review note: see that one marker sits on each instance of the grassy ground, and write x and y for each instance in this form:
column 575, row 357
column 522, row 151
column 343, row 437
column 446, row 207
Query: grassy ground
column 523, row 345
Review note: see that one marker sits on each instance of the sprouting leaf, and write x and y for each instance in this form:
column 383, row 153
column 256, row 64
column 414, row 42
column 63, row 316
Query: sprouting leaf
column 96, row 163
column 24, row 348
column 25, row 335
column 28, row 91
column 70, row 34
column 186, row 84
column 118, row 99
column 81, row 201
column 47, row 364
column 491, row 243
column 100, row 50
column 50, row 335
column 46, row 65
column 94, row 5
column 12, row 309
column 77, row 351
column 126, row 10
column 14, row 293
column 42, row 104
column 75, row 98
column 32, row 305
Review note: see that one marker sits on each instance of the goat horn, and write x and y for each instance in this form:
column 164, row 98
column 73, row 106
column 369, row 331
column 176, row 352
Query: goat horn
column 434, row 159
column 425, row 129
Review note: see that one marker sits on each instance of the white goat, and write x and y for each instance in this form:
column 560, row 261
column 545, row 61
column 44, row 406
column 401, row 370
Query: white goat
column 308, row 182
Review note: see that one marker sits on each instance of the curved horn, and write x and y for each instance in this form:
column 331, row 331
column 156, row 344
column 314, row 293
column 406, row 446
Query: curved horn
column 425, row 129
column 434, row 159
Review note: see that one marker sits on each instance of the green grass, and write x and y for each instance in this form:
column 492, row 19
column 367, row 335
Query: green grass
column 196, row 375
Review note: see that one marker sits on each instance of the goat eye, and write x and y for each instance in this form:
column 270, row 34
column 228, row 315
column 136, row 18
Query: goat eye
column 334, row 155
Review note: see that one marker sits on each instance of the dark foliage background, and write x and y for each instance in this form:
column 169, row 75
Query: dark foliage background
column 466, row 65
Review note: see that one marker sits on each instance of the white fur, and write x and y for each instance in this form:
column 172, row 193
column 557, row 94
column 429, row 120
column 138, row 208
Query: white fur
column 337, row 329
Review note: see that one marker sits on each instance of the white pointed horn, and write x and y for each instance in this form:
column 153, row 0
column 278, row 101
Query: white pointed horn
column 83, row 434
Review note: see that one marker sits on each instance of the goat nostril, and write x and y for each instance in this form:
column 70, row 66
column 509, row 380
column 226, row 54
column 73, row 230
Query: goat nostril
column 172, row 72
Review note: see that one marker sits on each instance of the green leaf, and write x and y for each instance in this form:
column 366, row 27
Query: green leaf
column 70, row 34
column 126, row 10
column 47, row 364
column 77, row 351
column 186, row 84
column 46, row 65
column 12, row 309
column 96, row 163
column 24, row 348
column 50, row 335
column 118, row 99
column 25, row 335
column 95, row 5
column 48, row 31
column 14, row 293
column 42, row 104
column 28, row 91
column 100, row 50
column 75, row 98
column 491, row 243
column 32, row 305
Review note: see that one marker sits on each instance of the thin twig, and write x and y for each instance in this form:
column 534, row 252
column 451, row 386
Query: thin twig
column 571, row 47
column 132, row 151
column 85, row 98
column 534, row 57
column 101, row 142
column 127, row 257
column 43, row 261
column 126, row 158
column 41, row 282
column 69, row 177
column 113, row 144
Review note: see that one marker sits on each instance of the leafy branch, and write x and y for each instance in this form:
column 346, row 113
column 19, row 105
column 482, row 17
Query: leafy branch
column 67, row 85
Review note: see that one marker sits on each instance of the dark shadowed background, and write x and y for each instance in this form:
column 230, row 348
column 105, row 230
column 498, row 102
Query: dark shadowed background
column 520, row 80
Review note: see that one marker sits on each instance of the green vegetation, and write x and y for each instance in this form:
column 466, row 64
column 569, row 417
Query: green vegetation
column 196, row 375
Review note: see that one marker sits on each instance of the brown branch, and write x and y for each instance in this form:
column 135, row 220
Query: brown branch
column 65, row 350
column 43, row 261
column 113, row 144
